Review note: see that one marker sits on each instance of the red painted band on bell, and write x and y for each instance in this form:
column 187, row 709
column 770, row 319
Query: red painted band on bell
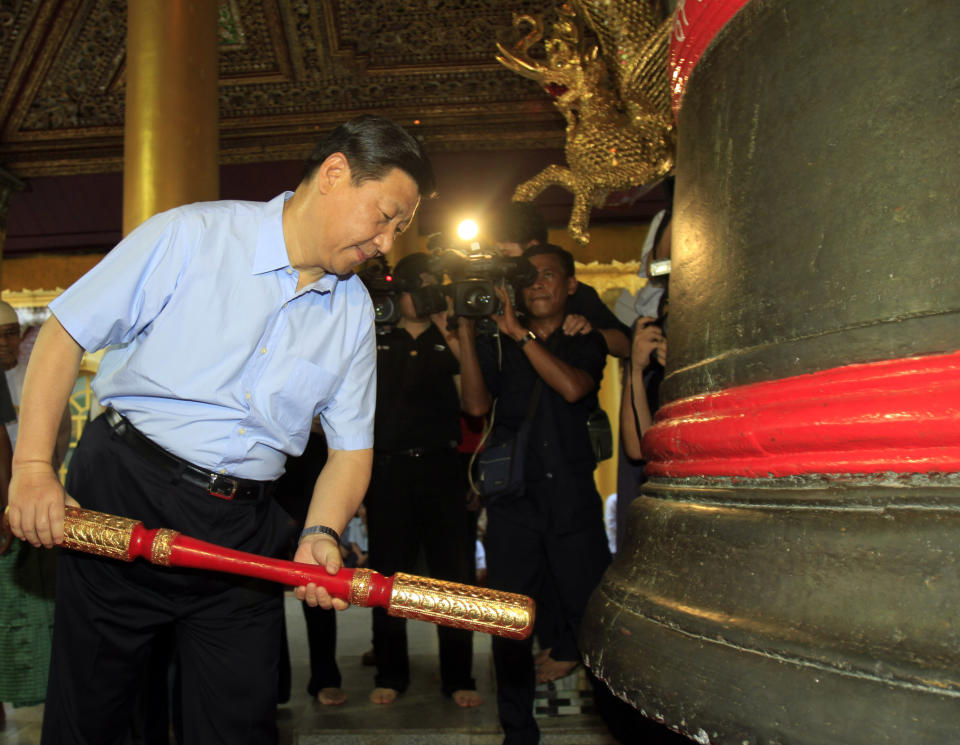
column 898, row 416
column 696, row 23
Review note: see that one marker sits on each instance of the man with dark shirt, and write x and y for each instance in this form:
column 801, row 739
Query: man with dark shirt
column 517, row 227
column 520, row 225
column 415, row 500
column 547, row 540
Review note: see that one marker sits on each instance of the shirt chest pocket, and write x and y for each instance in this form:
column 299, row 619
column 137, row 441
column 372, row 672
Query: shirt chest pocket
column 306, row 389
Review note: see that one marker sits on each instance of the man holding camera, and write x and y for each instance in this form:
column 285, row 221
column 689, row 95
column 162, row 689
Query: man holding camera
column 415, row 500
column 547, row 538
column 519, row 225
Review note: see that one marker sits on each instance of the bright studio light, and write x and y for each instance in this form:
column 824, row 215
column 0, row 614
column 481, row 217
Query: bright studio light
column 467, row 230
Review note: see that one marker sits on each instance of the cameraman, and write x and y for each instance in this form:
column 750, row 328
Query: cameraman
column 415, row 500
column 547, row 540
column 518, row 226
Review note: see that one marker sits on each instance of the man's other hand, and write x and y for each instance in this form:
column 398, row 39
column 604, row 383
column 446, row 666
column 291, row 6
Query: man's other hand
column 647, row 339
column 507, row 321
column 574, row 324
column 36, row 504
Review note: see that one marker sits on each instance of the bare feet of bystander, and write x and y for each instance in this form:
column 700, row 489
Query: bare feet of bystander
column 331, row 696
column 384, row 695
column 467, row 699
column 551, row 669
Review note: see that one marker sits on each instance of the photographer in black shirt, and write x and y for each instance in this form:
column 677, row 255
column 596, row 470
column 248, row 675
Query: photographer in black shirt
column 415, row 500
column 517, row 227
column 546, row 539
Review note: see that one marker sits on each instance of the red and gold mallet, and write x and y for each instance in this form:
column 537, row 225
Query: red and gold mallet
column 403, row 595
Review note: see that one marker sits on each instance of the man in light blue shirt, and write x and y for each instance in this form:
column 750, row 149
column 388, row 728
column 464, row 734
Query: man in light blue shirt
column 230, row 325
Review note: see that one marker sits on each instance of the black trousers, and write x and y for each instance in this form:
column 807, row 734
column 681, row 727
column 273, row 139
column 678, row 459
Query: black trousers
column 530, row 557
column 418, row 504
column 294, row 491
column 108, row 612
column 322, row 641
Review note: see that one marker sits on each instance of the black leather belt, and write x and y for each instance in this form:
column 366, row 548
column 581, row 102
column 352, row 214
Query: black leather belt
column 216, row 484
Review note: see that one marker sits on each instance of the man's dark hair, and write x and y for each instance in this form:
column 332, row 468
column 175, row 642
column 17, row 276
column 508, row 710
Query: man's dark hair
column 519, row 222
column 408, row 270
column 374, row 146
column 566, row 258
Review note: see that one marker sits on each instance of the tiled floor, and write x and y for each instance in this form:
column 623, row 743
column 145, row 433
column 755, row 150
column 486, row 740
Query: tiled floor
column 422, row 716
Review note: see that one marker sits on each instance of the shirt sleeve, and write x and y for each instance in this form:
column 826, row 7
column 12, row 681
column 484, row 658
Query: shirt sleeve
column 587, row 352
column 587, row 303
column 125, row 291
column 348, row 417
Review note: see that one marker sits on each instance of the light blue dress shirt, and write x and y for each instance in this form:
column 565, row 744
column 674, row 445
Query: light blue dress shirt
column 214, row 354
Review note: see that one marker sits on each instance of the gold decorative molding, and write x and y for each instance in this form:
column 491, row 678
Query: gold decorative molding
column 461, row 606
column 616, row 275
column 98, row 533
column 30, row 298
column 360, row 587
column 162, row 546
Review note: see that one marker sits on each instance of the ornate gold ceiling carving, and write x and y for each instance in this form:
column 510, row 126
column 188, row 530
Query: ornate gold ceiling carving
column 288, row 69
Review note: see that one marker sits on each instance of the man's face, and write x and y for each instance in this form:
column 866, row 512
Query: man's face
column 361, row 221
column 548, row 294
column 9, row 345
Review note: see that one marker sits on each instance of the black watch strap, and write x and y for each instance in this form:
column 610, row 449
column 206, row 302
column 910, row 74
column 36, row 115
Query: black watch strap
column 529, row 336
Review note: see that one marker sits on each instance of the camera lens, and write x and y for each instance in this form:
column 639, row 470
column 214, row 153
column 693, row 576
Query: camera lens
column 478, row 299
column 384, row 308
column 474, row 298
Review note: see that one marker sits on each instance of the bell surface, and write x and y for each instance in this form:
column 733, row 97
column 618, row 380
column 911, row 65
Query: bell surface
column 791, row 570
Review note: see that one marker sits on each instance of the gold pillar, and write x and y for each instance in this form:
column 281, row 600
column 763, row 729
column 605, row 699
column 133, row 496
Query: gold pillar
column 8, row 185
column 170, row 134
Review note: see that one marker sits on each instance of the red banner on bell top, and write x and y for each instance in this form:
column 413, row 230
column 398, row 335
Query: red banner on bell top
column 897, row 416
column 697, row 22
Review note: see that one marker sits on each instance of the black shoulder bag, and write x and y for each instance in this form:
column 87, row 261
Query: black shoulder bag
column 501, row 466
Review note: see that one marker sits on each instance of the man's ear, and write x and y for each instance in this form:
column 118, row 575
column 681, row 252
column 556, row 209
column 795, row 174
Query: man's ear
column 335, row 169
column 571, row 285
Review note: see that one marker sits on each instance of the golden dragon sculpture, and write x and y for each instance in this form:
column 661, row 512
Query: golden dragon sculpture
column 620, row 131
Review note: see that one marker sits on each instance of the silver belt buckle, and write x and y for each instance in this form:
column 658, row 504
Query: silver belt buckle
column 215, row 492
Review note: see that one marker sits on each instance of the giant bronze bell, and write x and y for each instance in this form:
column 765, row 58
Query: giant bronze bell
column 792, row 568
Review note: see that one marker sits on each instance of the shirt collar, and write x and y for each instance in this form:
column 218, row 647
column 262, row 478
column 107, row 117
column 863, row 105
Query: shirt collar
column 271, row 253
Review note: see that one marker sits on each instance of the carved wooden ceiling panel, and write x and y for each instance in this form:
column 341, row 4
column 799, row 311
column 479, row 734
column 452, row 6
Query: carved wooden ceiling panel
column 288, row 68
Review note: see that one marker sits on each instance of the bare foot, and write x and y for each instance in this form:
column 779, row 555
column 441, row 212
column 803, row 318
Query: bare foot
column 553, row 669
column 384, row 695
column 467, row 699
column 331, row 696
column 541, row 657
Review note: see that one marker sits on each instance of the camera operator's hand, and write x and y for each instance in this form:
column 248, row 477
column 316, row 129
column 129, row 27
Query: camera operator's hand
column 474, row 396
column 507, row 322
column 449, row 331
column 466, row 328
column 647, row 339
column 574, row 324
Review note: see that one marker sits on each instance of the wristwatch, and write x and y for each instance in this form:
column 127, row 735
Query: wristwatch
column 529, row 336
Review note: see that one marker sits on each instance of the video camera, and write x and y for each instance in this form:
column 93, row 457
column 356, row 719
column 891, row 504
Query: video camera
column 474, row 272
column 385, row 289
